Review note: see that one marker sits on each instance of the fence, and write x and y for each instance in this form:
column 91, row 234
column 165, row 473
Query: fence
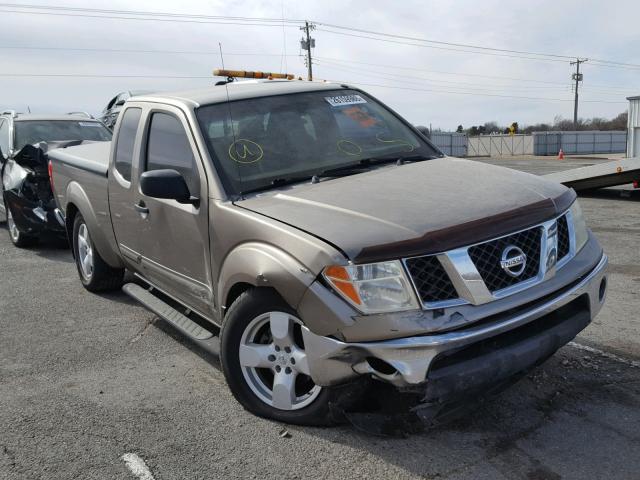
column 539, row 143
column 451, row 143
column 571, row 143
column 500, row 145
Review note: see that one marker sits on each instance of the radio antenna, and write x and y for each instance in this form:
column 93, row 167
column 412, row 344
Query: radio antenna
column 233, row 133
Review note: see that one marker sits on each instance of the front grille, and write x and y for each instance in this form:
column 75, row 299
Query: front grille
column 431, row 281
column 487, row 257
column 563, row 237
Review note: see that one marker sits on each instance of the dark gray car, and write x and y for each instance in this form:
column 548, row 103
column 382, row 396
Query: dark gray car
column 25, row 191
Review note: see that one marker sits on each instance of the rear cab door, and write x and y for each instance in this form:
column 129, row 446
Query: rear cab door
column 165, row 241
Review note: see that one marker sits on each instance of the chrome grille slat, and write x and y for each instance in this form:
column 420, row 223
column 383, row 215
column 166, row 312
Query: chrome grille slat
column 486, row 256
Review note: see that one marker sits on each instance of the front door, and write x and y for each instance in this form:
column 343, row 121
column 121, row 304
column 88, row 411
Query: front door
column 174, row 237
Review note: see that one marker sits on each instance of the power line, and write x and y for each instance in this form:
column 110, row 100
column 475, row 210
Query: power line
column 117, row 50
column 83, row 75
column 422, row 45
column 144, row 12
column 472, row 93
column 438, row 42
column 216, row 22
column 404, row 77
column 181, row 17
column 403, row 67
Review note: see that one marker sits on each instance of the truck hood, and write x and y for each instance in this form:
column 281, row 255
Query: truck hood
column 415, row 209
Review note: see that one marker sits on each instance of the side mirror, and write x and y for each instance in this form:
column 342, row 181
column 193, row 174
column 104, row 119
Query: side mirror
column 119, row 103
column 168, row 184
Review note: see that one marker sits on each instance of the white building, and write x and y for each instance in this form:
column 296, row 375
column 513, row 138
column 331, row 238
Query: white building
column 633, row 127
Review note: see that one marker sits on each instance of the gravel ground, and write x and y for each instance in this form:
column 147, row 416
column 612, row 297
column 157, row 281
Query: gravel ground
column 85, row 379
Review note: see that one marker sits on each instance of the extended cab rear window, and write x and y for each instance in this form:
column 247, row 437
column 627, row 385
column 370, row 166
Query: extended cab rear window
column 257, row 141
column 126, row 141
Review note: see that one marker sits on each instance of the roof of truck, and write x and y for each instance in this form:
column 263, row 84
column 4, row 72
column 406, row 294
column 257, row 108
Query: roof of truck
column 239, row 90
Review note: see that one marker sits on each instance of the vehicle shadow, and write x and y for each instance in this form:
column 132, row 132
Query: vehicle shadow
column 568, row 418
column 210, row 353
column 564, row 420
column 56, row 249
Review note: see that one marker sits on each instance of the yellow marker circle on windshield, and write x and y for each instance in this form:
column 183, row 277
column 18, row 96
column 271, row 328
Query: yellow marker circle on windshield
column 245, row 151
column 349, row 148
column 398, row 141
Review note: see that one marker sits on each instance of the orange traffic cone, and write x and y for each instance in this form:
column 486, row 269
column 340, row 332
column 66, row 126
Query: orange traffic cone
column 560, row 155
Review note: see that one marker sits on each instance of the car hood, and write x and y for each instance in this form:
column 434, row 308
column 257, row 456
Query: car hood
column 414, row 209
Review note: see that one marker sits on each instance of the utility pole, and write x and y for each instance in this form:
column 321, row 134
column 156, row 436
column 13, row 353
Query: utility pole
column 578, row 78
column 307, row 44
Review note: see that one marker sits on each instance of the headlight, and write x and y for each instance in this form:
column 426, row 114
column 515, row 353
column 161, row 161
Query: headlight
column 373, row 288
column 579, row 226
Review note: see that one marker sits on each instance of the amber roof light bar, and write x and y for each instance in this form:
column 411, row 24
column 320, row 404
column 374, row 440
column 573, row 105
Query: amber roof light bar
column 246, row 74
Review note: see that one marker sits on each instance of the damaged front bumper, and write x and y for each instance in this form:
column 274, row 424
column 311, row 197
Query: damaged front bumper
column 486, row 352
column 33, row 218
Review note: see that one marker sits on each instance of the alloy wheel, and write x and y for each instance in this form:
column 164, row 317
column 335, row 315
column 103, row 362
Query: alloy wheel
column 274, row 362
column 85, row 252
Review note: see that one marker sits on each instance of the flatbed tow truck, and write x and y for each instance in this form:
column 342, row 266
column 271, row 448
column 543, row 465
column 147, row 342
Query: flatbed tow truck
column 610, row 174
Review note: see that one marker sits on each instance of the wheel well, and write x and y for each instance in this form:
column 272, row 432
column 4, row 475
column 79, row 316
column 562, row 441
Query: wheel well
column 70, row 217
column 237, row 290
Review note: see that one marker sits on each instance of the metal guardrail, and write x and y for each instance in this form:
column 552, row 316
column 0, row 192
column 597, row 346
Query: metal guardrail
column 538, row 143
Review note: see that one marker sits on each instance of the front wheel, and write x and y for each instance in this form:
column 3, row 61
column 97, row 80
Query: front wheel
column 18, row 238
column 95, row 274
column 265, row 363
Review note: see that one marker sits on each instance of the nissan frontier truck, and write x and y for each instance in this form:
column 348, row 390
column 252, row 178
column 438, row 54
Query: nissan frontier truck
column 322, row 240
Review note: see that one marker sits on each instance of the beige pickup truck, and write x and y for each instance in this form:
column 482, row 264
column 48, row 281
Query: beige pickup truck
column 321, row 241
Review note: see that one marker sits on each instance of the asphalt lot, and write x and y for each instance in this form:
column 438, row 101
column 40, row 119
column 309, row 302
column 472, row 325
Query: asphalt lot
column 85, row 379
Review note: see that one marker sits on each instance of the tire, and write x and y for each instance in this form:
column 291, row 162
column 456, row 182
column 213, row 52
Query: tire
column 18, row 238
column 95, row 274
column 311, row 404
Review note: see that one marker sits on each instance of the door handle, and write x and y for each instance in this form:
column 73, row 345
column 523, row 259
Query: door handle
column 141, row 208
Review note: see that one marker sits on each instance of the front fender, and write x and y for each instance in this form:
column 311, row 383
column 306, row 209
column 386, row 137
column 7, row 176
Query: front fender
column 264, row 265
column 99, row 227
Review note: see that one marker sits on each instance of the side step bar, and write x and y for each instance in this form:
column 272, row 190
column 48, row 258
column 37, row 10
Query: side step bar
column 180, row 322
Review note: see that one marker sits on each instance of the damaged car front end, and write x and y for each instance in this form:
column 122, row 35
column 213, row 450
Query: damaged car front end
column 28, row 198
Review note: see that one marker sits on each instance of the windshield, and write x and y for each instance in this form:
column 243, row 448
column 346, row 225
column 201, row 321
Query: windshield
column 257, row 141
column 29, row 132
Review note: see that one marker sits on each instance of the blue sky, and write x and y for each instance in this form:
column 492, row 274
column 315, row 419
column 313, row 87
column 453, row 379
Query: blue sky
column 433, row 86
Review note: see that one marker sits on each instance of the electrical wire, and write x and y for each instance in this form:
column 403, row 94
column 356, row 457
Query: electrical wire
column 470, row 93
column 257, row 21
column 404, row 67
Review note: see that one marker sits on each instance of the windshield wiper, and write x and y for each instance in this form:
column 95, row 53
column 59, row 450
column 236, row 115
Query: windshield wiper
column 367, row 163
column 277, row 182
column 343, row 171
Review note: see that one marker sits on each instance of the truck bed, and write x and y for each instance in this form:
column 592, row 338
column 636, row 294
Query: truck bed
column 93, row 157
column 80, row 178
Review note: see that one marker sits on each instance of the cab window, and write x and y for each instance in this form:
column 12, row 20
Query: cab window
column 168, row 148
column 126, row 141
